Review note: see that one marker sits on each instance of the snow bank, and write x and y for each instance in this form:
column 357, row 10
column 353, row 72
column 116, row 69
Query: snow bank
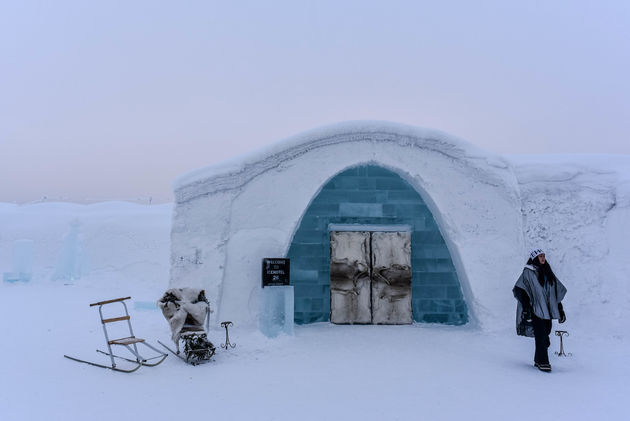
column 72, row 241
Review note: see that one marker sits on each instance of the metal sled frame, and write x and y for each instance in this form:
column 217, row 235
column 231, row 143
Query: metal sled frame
column 130, row 342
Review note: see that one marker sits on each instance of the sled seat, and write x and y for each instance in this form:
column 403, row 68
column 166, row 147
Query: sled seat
column 192, row 333
column 126, row 341
column 191, row 330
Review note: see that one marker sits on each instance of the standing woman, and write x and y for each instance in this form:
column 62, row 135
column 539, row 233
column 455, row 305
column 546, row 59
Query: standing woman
column 539, row 294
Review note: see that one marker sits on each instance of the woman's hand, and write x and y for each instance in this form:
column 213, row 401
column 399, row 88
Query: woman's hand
column 563, row 317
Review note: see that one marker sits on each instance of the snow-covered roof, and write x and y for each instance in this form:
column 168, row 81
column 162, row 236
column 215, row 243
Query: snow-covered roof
column 238, row 171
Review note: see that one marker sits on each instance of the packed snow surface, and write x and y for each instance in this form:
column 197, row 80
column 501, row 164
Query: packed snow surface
column 578, row 210
column 324, row 371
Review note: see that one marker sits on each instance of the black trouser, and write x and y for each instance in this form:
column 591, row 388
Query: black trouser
column 542, row 329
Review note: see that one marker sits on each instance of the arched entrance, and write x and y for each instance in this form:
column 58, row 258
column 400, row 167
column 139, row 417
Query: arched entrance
column 371, row 199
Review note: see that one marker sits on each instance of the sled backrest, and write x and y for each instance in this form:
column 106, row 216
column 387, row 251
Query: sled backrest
column 100, row 303
column 104, row 321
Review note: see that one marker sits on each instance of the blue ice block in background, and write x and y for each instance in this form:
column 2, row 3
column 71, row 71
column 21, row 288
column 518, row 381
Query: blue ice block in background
column 275, row 314
column 144, row 305
column 16, row 277
column 70, row 263
column 22, row 262
column 23, row 256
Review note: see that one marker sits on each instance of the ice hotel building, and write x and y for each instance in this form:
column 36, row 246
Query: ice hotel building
column 382, row 223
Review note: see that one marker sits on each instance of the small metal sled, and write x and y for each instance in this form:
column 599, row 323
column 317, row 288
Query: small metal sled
column 197, row 348
column 130, row 342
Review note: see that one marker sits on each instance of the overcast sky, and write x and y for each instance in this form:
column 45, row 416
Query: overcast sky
column 114, row 99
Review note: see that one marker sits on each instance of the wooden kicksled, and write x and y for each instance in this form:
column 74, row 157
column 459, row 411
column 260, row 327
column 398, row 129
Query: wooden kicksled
column 130, row 342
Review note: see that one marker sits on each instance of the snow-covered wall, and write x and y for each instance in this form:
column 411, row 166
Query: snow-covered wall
column 577, row 208
column 227, row 218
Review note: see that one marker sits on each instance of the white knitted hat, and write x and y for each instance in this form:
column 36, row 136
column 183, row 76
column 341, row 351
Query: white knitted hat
column 534, row 253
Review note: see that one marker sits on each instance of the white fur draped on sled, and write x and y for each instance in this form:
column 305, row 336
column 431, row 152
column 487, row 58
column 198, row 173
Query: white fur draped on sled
column 185, row 309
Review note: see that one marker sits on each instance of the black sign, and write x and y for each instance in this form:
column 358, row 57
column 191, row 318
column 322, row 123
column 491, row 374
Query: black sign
column 275, row 271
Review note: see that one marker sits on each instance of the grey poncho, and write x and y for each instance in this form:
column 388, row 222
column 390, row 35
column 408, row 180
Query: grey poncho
column 544, row 299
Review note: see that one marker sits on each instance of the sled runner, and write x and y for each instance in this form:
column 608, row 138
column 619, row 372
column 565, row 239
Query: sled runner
column 186, row 310
column 130, row 342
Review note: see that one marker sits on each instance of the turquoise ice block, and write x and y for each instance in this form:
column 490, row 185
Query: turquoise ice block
column 276, row 311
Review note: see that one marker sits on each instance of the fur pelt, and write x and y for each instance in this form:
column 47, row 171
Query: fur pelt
column 184, row 307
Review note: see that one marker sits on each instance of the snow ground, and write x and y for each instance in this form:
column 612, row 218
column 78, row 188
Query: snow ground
column 322, row 372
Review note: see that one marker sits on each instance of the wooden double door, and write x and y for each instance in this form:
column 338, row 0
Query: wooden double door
column 370, row 277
